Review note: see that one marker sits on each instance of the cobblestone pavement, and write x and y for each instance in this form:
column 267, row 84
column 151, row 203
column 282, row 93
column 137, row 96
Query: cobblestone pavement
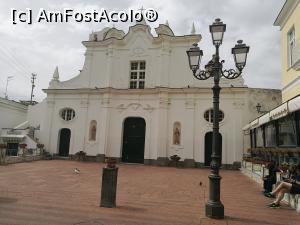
column 49, row 192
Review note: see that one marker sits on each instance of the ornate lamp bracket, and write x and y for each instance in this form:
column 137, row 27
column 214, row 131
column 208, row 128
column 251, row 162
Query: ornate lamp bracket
column 231, row 73
column 202, row 75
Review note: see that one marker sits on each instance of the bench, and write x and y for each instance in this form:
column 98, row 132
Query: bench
column 293, row 201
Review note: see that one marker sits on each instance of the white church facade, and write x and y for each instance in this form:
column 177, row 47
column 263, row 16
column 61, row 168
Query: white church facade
column 136, row 99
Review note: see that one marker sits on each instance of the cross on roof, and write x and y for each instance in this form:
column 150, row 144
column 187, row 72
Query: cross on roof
column 141, row 9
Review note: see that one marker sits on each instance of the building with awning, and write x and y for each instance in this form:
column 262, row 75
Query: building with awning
column 12, row 138
column 276, row 133
column 277, row 129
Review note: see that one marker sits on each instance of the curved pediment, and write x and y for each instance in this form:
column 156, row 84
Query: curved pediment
column 136, row 30
column 114, row 33
column 163, row 29
column 98, row 36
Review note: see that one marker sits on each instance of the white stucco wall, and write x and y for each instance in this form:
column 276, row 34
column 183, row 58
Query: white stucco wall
column 160, row 109
column 11, row 113
column 100, row 92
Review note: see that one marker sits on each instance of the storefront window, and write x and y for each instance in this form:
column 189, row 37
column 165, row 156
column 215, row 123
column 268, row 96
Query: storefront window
column 252, row 138
column 259, row 137
column 298, row 126
column 270, row 135
column 287, row 131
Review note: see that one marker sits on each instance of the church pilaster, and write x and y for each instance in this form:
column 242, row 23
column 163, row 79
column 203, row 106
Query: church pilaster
column 49, row 123
column 165, row 64
column 105, row 118
column 162, row 124
column 84, row 104
column 189, row 130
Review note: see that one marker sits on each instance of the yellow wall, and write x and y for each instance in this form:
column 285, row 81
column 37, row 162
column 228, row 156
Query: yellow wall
column 291, row 93
column 289, row 74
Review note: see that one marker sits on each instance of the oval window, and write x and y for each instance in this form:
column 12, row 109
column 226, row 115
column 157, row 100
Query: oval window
column 208, row 115
column 67, row 114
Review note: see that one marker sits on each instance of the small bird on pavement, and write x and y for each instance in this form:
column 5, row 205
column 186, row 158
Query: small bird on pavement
column 76, row 170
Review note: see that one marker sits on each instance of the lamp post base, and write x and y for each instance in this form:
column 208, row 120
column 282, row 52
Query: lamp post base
column 214, row 210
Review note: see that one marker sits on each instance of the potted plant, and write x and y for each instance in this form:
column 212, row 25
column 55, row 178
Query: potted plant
column 80, row 156
column 257, row 160
column 175, row 159
column 23, row 147
column 284, row 166
column 40, row 147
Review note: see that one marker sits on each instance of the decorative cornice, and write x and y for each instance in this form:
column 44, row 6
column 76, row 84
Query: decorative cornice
column 156, row 90
column 286, row 12
column 291, row 85
column 195, row 38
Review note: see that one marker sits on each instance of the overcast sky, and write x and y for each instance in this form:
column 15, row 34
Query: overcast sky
column 40, row 47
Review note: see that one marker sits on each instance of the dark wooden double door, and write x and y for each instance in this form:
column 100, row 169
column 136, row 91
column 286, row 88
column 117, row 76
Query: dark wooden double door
column 133, row 149
column 64, row 142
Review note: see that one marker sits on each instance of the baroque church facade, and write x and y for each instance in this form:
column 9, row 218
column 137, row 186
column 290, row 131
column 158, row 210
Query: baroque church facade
column 136, row 99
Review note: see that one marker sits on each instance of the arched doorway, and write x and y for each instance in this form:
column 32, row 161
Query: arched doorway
column 208, row 147
column 64, row 142
column 133, row 149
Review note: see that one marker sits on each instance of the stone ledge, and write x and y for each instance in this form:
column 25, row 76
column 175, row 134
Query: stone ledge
column 160, row 161
column 20, row 159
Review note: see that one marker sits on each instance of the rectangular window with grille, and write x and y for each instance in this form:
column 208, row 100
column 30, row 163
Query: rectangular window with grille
column 137, row 75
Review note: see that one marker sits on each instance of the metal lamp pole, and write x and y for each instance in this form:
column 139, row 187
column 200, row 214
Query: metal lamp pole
column 214, row 207
column 7, row 80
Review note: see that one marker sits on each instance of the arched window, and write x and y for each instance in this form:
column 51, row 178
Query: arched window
column 93, row 130
column 176, row 133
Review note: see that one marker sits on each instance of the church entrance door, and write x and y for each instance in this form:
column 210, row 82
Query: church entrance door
column 208, row 147
column 134, row 130
column 64, row 142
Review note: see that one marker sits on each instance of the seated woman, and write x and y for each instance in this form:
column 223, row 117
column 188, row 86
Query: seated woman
column 289, row 186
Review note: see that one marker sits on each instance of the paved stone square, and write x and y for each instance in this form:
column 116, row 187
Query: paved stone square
column 49, row 192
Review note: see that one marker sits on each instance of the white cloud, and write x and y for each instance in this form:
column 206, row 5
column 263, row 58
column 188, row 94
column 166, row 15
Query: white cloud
column 40, row 47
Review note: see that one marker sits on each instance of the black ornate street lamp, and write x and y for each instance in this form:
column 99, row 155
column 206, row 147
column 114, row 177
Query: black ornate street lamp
column 214, row 68
column 258, row 108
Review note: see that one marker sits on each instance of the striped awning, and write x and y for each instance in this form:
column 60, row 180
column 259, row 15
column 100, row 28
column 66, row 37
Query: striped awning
column 254, row 124
column 264, row 119
column 12, row 138
column 294, row 104
column 279, row 112
column 247, row 127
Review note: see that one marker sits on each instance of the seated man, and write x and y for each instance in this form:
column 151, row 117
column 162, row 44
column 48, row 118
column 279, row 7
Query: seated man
column 289, row 186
